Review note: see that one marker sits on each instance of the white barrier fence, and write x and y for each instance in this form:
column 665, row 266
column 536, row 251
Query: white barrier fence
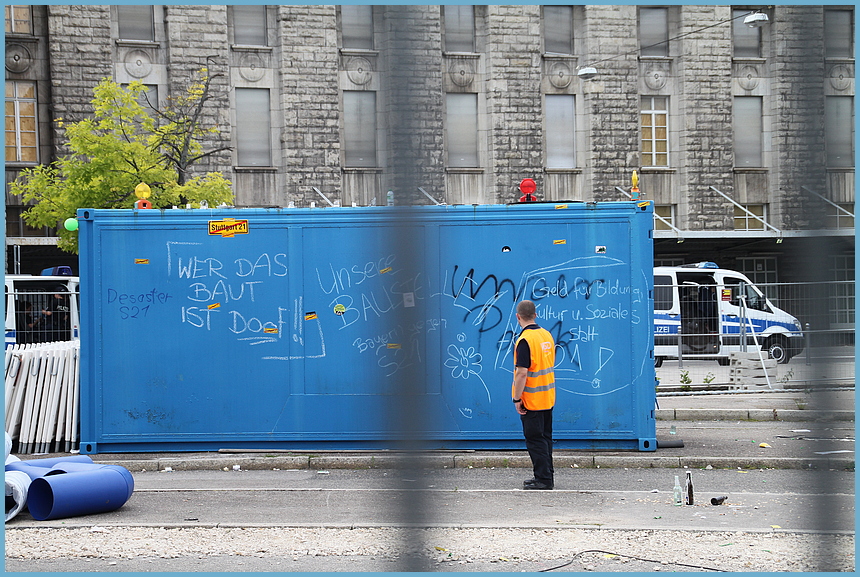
column 42, row 396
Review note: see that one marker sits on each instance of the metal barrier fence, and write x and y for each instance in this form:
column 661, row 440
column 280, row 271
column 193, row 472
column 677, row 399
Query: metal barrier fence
column 41, row 396
column 800, row 334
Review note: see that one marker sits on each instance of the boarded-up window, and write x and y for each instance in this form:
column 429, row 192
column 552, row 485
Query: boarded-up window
column 253, row 127
column 462, row 120
column 359, row 128
column 560, row 131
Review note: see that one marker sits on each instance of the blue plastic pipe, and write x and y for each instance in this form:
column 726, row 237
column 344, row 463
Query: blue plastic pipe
column 84, row 492
column 39, row 467
column 78, row 467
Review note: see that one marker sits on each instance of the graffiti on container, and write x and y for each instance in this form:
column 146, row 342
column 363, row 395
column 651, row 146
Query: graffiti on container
column 465, row 364
column 576, row 306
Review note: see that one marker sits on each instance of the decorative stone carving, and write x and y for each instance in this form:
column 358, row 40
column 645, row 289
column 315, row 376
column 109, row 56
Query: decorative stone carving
column 251, row 66
column 655, row 78
column 748, row 77
column 462, row 71
column 138, row 63
column 18, row 58
column 840, row 77
column 359, row 70
column 560, row 75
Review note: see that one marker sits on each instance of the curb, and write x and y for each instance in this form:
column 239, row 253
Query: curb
column 793, row 415
column 469, row 461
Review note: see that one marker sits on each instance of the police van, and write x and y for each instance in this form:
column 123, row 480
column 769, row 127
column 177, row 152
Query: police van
column 710, row 312
column 43, row 308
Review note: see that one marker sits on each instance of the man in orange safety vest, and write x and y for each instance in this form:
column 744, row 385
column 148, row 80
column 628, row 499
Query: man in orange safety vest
column 533, row 393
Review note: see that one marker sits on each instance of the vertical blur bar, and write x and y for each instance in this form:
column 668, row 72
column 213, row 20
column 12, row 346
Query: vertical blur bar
column 408, row 104
column 805, row 109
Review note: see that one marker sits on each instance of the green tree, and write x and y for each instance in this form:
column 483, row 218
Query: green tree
column 123, row 144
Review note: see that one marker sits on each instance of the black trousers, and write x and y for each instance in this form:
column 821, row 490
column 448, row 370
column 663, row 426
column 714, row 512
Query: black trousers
column 537, row 428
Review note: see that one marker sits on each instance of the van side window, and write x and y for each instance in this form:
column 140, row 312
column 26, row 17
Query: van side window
column 662, row 293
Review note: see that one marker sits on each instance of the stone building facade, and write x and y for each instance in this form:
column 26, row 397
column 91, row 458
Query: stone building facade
column 743, row 137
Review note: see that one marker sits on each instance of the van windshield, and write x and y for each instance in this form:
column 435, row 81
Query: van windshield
column 739, row 288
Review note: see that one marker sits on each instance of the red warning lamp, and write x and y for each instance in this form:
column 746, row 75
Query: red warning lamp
column 528, row 187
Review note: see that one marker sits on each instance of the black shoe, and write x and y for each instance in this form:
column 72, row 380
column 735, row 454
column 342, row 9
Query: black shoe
column 537, row 485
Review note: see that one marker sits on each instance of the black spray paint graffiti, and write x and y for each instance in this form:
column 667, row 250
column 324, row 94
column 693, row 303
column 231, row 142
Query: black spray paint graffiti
column 481, row 300
column 480, row 303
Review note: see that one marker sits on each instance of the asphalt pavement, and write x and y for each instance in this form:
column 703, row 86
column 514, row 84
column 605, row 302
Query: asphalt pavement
column 784, row 461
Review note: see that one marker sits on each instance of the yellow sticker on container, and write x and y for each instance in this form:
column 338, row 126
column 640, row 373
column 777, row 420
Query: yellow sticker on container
column 559, row 206
column 228, row 227
column 562, row 241
column 393, row 345
column 214, row 306
column 271, row 331
column 643, row 204
column 385, row 270
column 310, row 316
column 339, row 309
column 141, row 261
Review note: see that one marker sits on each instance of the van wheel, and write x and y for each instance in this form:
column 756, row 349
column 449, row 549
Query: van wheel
column 777, row 350
column 658, row 362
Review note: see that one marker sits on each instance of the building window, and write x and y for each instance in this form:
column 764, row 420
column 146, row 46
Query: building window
column 253, row 127
column 666, row 212
column 462, row 120
column 839, row 131
column 459, row 28
column 655, row 130
column 746, row 219
column 839, row 33
column 558, row 29
column 746, row 40
column 22, row 143
column 16, row 226
column 359, row 128
column 654, row 31
column 560, row 131
column 842, row 299
column 840, row 216
column 136, row 22
column 760, row 270
column 249, row 25
column 747, row 130
column 148, row 98
column 18, row 20
column 357, row 26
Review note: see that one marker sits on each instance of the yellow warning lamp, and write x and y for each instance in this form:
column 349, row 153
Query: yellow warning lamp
column 142, row 192
column 635, row 190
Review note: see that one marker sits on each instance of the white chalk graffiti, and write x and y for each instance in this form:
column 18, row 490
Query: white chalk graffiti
column 465, row 363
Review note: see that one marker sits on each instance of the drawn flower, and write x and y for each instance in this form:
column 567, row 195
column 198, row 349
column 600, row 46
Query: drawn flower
column 463, row 362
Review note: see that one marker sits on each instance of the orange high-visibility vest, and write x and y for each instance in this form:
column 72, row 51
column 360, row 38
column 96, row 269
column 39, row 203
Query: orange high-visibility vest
column 539, row 394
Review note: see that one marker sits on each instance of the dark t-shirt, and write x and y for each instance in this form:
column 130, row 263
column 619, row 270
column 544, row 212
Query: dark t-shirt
column 523, row 353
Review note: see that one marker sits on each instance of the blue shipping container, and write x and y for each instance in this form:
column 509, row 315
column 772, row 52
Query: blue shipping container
column 358, row 327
